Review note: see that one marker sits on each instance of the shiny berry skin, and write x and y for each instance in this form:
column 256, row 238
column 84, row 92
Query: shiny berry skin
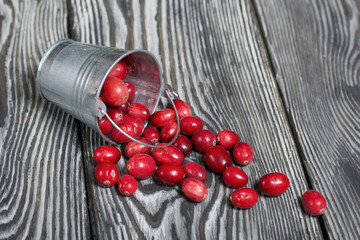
column 133, row 148
column 169, row 174
column 183, row 144
column 114, row 92
column 194, row 189
column 104, row 125
column 243, row 153
column 151, row 133
column 115, row 114
column 217, row 159
column 106, row 174
column 119, row 70
column 244, row 198
column 132, row 91
column 314, row 203
column 235, row 177
column 274, row 184
column 189, row 125
column 136, row 121
column 106, row 153
column 127, row 127
column 168, row 132
column 182, row 108
column 140, row 111
column 227, row 139
column 160, row 118
column 127, row 185
column 195, row 170
column 167, row 155
column 125, row 107
column 203, row 139
column 141, row 166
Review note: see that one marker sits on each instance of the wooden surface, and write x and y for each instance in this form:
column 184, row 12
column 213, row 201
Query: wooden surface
column 283, row 74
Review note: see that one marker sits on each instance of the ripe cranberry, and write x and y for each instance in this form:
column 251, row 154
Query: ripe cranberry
column 132, row 90
column 115, row 114
column 167, row 155
column 243, row 153
column 141, row 166
column 127, row 127
column 125, row 107
column 133, row 148
column 106, row 153
column 227, row 139
column 195, row 170
column 189, row 125
column 104, row 125
column 194, row 189
column 244, row 198
column 106, row 174
column 140, row 111
column 274, row 184
column 161, row 118
column 183, row 144
column 127, row 185
column 314, row 203
column 217, row 158
column 114, row 92
column 136, row 121
column 119, row 70
column 183, row 109
column 203, row 139
column 152, row 134
column 169, row 174
column 235, row 177
column 168, row 132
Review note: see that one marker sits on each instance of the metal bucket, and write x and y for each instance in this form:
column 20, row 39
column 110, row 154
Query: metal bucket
column 71, row 75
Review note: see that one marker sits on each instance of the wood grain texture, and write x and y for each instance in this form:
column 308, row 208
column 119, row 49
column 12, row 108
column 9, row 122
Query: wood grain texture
column 213, row 56
column 315, row 50
column 42, row 188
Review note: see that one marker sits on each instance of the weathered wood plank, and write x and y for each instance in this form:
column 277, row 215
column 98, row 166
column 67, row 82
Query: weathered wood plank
column 213, row 55
column 318, row 74
column 42, row 187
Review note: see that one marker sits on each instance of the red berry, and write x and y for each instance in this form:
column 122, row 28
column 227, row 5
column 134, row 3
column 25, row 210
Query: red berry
column 203, row 140
column 132, row 91
column 183, row 144
column 136, row 121
column 227, row 139
column 114, row 92
column 168, row 132
column 194, row 189
column 106, row 153
column 274, row 184
column 182, row 108
column 115, row 114
column 125, row 107
column 243, row 153
column 244, row 198
column 127, row 185
column 195, row 170
column 161, row 118
column 140, row 111
column 189, row 125
column 133, row 148
column 217, row 158
column 168, row 174
column 167, row 155
column 106, row 174
column 104, row 125
column 314, row 203
column 119, row 70
column 152, row 134
column 127, row 127
column 235, row 177
column 141, row 166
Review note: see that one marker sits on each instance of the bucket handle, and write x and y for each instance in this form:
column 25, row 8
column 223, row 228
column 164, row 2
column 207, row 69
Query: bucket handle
column 102, row 112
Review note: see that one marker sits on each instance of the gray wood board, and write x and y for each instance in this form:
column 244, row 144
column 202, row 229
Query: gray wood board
column 315, row 51
column 42, row 193
column 213, row 56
